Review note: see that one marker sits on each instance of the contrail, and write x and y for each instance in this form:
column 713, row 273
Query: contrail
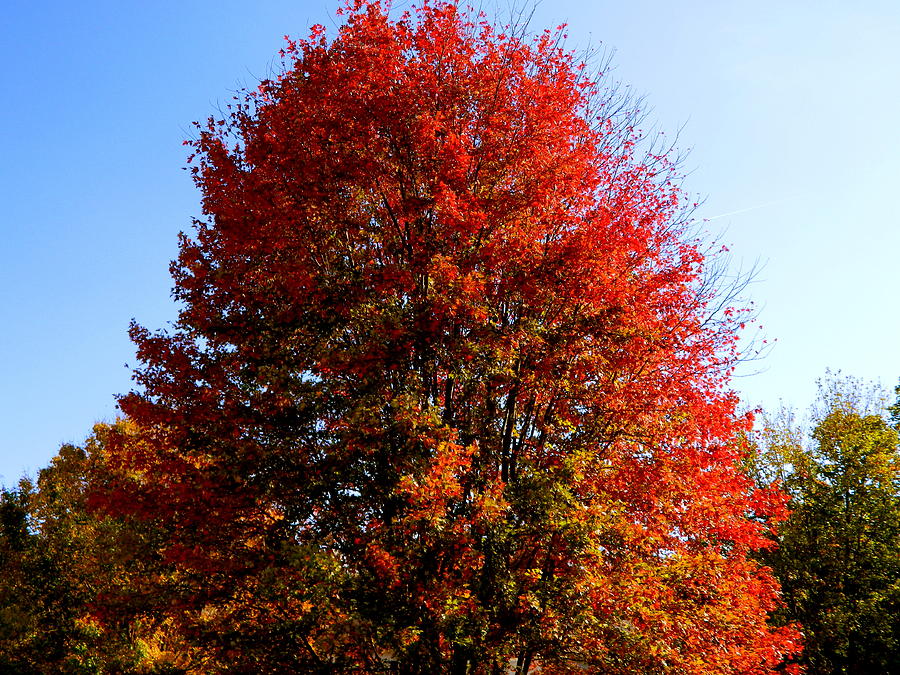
column 749, row 208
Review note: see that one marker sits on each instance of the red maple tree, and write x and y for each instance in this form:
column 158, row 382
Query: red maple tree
column 444, row 393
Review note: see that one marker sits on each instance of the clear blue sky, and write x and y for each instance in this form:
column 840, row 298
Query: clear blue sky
column 794, row 103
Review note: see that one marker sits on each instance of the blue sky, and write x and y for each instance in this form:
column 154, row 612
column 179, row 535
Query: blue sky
column 790, row 110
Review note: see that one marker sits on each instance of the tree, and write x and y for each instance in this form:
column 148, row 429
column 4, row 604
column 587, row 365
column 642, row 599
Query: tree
column 58, row 558
column 837, row 553
column 445, row 392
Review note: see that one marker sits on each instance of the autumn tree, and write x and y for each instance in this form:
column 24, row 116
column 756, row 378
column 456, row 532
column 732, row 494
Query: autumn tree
column 59, row 558
column 836, row 557
column 446, row 391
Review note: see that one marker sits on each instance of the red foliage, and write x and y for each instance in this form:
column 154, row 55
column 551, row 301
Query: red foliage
column 444, row 384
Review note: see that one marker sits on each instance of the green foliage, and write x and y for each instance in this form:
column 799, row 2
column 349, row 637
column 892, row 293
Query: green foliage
column 837, row 556
column 40, row 630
